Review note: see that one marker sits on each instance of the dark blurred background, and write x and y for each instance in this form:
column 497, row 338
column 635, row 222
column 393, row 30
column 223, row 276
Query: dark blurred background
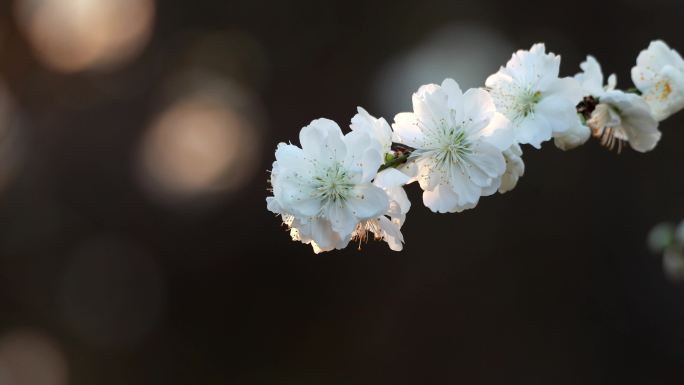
column 136, row 248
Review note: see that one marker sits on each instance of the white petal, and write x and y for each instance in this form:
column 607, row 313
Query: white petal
column 429, row 174
column 391, row 233
column 273, row 206
column 398, row 196
column 455, row 98
column 368, row 201
column 591, row 79
column 534, row 66
column 323, row 235
column 406, row 130
column 322, row 140
column 468, row 193
column 612, row 82
column 441, row 200
column 289, row 154
column 487, row 163
column 362, row 155
column 390, row 178
column 430, row 106
column 533, row 130
column 500, row 132
column 566, row 88
column 515, row 168
column 498, row 80
column 372, row 160
column 341, row 218
column 559, row 113
column 478, row 107
column 379, row 129
column 295, row 197
column 411, row 169
column 572, row 138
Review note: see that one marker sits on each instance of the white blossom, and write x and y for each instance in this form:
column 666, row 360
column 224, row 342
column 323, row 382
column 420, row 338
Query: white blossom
column 530, row 94
column 515, row 168
column 459, row 140
column 591, row 83
column 388, row 225
column 619, row 116
column 324, row 189
column 659, row 75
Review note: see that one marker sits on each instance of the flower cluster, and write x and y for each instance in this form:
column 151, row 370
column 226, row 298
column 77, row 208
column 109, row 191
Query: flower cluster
column 462, row 145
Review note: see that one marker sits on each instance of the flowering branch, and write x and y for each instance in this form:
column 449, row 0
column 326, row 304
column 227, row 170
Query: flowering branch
column 460, row 146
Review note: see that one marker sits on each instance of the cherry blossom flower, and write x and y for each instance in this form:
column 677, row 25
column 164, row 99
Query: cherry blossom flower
column 618, row 116
column 459, row 140
column 659, row 75
column 324, row 189
column 530, row 94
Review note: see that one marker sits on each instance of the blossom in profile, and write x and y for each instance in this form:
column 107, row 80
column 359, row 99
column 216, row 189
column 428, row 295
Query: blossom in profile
column 659, row 75
column 616, row 116
column 530, row 94
column 515, row 168
column 459, row 139
column 387, row 226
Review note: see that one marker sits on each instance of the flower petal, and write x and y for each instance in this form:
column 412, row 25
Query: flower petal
column 441, row 200
column 533, row 130
column 322, row 234
column 406, row 130
column 478, row 106
column 322, row 140
column 341, row 218
column 362, row 155
column 500, row 132
column 591, row 77
column 390, row 178
column 391, row 233
column 488, row 162
column 559, row 113
column 296, row 197
column 368, row 201
column 378, row 129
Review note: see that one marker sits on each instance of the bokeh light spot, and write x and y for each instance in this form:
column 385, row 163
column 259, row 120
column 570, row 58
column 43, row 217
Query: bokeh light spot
column 468, row 53
column 200, row 144
column 75, row 35
column 31, row 358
